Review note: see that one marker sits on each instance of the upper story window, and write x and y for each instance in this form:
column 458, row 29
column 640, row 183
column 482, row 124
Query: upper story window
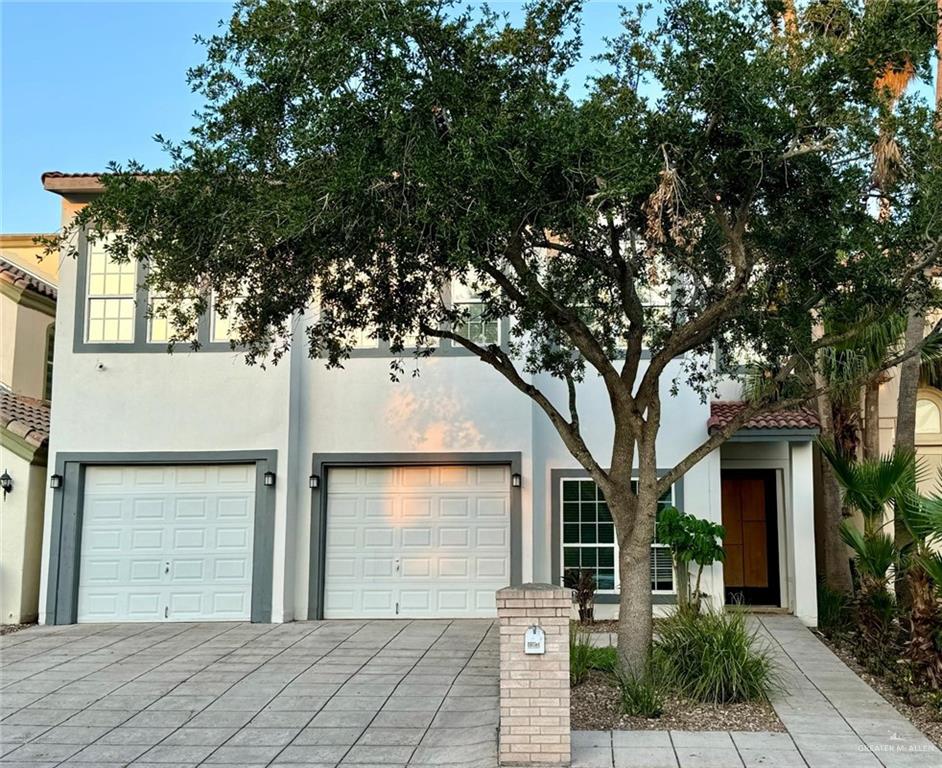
column 928, row 416
column 50, row 354
column 588, row 538
column 110, row 299
column 475, row 326
column 224, row 321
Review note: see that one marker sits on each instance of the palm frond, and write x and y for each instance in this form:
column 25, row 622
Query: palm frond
column 875, row 552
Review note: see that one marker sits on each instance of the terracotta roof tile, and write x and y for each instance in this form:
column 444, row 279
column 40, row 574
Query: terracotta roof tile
column 25, row 417
column 793, row 418
column 20, row 278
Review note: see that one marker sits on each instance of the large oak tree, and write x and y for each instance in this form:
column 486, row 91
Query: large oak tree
column 363, row 155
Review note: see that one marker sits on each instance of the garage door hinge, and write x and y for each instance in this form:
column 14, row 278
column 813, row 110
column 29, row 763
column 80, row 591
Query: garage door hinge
column 166, row 611
column 397, row 609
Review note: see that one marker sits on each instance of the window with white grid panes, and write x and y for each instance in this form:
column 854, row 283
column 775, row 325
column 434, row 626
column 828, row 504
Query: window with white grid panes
column 110, row 299
column 588, row 538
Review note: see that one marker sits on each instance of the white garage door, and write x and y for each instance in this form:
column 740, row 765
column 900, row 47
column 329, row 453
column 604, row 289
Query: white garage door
column 167, row 543
column 416, row 542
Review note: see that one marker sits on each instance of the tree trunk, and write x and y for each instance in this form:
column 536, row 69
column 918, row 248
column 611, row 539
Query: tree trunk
column 906, row 423
column 634, row 612
column 872, row 419
column 836, row 561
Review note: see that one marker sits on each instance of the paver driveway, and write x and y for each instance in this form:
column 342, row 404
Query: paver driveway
column 386, row 693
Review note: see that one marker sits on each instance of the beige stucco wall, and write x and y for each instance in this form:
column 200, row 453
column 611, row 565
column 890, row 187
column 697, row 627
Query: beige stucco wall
column 21, row 523
column 8, row 317
column 29, row 363
column 22, row 251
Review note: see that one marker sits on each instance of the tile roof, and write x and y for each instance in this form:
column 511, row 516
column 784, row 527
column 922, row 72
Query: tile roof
column 721, row 412
column 20, row 278
column 25, row 417
column 62, row 175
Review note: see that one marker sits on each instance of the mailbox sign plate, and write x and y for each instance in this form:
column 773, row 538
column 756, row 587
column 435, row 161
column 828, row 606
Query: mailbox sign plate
column 534, row 641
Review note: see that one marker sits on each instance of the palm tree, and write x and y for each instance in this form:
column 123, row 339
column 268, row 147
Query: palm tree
column 872, row 486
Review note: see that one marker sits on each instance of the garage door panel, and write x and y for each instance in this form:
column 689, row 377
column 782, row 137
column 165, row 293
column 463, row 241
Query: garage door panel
column 444, row 531
column 167, row 543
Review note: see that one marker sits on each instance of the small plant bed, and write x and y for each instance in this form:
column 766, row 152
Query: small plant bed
column 9, row 629
column 708, row 672
column 595, row 706
column 925, row 715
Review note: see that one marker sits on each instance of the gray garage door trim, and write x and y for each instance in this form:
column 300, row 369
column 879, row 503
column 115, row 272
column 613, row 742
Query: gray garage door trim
column 321, row 465
column 67, row 516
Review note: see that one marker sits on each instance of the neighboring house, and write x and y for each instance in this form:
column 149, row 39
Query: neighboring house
column 190, row 486
column 27, row 319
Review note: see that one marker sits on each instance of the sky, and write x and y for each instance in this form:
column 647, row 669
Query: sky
column 82, row 84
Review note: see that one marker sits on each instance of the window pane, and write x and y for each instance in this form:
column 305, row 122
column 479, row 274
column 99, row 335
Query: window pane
column 587, row 490
column 606, row 533
column 604, row 515
column 589, row 557
column 928, row 419
column 662, row 570
column 570, row 490
column 571, row 557
column 570, row 534
column 570, row 512
column 589, row 533
column 605, row 579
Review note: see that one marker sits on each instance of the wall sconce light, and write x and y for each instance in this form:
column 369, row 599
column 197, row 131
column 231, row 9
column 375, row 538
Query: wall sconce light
column 268, row 479
column 314, row 481
column 6, row 483
column 55, row 481
column 515, row 480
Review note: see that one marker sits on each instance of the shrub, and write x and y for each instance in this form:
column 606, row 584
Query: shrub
column 582, row 583
column 580, row 654
column 833, row 611
column 583, row 656
column 642, row 695
column 714, row 657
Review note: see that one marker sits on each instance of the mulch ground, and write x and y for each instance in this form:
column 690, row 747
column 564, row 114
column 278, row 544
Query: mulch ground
column 925, row 717
column 594, row 707
column 9, row 629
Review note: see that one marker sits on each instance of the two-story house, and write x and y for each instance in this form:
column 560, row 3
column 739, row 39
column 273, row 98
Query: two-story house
column 27, row 322
column 190, row 486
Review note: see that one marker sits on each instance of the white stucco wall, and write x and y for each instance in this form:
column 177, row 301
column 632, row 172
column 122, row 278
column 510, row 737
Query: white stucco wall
column 154, row 401
column 212, row 401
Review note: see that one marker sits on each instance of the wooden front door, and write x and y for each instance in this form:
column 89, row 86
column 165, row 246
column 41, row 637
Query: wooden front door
column 750, row 519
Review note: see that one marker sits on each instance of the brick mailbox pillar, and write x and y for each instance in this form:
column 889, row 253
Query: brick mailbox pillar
column 534, row 685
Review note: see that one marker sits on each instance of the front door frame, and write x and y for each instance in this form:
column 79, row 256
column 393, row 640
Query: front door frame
column 322, row 463
column 771, row 595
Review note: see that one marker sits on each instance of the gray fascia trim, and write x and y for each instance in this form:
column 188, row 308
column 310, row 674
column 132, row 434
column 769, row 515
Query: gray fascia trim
column 556, row 518
column 321, row 463
column 67, row 511
column 444, row 348
column 774, row 435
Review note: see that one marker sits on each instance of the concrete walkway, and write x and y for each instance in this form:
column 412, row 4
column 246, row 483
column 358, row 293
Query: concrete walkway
column 833, row 720
column 391, row 693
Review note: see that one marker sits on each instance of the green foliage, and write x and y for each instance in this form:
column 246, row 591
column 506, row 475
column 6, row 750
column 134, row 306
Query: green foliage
column 714, row 657
column 584, row 657
column 870, row 486
column 360, row 157
column 874, row 552
column 642, row 695
column 834, row 611
column 691, row 540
